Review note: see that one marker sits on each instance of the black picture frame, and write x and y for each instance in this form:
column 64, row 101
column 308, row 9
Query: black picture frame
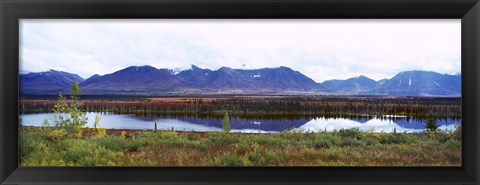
column 13, row 10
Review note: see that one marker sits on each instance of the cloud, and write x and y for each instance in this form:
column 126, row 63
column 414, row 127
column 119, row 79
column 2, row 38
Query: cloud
column 321, row 49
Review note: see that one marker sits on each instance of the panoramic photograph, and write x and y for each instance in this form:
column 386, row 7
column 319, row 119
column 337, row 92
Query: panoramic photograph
column 272, row 92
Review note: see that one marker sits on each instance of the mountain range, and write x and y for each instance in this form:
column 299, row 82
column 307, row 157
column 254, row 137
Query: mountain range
column 49, row 82
column 274, row 81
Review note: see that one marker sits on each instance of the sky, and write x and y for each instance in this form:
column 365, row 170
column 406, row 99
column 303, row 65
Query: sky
column 321, row 49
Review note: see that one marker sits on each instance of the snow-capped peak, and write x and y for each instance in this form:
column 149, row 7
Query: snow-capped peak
column 177, row 70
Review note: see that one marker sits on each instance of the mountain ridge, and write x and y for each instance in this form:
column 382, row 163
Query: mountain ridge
column 225, row 80
column 51, row 81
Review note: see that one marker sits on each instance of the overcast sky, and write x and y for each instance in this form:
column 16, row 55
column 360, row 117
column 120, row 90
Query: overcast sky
column 320, row 49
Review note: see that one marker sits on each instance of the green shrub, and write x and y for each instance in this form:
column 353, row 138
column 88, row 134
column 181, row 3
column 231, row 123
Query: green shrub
column 254, row 158
column 76, row 149
column 57, row 135
column 322, row 143
column 229, row 159
column 453, row 143
column 101, row 132
column 222, row 138
column 197, row 145
column 351, row 142
column 393, row 138
column 259, row 156
column 243, row 147
column 409, row 150
column 35, row 160
column 442, row 136
column 292, row 135
column 270, row 158
column 84, row 153
column 157, row 135
column 166, row 134
column 349, row 133
column 43, row 155
column 27, row 144
column 102, row 157
column 269, row 140
column 457, row 134
column 370, row 141
column 135, row 143
column 110, row 142
column 152, row 138
column 333, row 154
column 322, row 140
column 175, row 142
column 193, row 136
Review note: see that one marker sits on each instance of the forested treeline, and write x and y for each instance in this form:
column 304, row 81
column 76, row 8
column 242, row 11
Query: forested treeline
column 300, row 106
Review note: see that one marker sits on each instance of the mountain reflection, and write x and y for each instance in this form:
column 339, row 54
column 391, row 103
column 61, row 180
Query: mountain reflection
column 253, row 124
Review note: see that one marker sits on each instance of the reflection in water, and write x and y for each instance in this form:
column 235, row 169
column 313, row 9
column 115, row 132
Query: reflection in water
column 375, row 124
column 128, row 121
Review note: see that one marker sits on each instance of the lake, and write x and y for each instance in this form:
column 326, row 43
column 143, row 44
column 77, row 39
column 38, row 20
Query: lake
column 131, row 121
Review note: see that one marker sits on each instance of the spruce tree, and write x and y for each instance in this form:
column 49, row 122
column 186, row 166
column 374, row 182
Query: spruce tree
column 68, row 115
column 431, row 124
column 226, row 123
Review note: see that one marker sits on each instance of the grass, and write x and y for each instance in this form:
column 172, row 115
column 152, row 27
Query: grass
column 49, row 147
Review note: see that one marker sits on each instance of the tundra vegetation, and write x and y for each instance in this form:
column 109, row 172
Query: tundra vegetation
column 53, row 147
column 66, row 142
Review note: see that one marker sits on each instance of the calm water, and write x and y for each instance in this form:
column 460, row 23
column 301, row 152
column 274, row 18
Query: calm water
column 127, row 121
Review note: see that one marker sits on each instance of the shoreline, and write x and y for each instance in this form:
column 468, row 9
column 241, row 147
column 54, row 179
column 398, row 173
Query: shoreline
column 118, row 131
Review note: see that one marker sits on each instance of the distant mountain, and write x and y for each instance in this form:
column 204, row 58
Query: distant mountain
column 382, row 81
column 147, row 79
column 135, row 79
column 270, row 80
column 91, row 79
column 194, row 76
column 49, row 82
column 421, row 83
column 356, row 85
column 195, row 80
